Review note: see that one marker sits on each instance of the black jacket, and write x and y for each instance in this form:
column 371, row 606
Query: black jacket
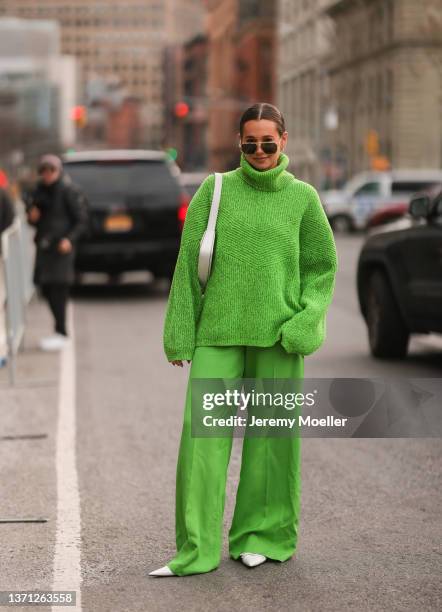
column 63, row 214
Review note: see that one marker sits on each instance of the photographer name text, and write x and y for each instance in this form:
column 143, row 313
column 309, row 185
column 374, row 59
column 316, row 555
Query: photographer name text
column 307, row 421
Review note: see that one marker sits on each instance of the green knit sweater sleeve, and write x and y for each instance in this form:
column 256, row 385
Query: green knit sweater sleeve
column 185, row 296
column 305, row 332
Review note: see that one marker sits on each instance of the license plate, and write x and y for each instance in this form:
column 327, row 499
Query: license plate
column 118, row 223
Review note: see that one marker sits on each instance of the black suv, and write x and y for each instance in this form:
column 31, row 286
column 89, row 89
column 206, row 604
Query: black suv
column 399, row 277
column 137, row 209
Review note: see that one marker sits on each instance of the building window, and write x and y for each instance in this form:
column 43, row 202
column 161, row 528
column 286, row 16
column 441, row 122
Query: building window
column 371, row 94
column 362, row 95
column 389, row 75
column 286, row 95
column 381, row 19
column 342, row 110
column 379, row 92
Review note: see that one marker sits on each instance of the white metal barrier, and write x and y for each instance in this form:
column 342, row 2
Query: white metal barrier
column 26, row 235
column 17, row 267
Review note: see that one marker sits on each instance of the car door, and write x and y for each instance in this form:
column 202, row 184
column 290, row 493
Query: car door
column 421, row 260
column 364, row 201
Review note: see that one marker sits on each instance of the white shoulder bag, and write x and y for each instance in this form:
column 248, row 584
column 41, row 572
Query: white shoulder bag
column 207, row 243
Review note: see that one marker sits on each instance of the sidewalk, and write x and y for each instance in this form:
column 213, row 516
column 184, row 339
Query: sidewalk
column 27, row 451
column 33, row 366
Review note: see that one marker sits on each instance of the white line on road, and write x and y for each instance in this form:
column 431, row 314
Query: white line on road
column 67, row 558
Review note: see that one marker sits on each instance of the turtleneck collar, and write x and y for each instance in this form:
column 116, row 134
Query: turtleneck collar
column 273, row 179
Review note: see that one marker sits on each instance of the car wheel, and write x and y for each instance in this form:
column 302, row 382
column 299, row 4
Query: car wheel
column 341, row 224
column 387, row 333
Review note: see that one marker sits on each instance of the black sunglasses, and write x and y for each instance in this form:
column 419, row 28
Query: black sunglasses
column 249, row 148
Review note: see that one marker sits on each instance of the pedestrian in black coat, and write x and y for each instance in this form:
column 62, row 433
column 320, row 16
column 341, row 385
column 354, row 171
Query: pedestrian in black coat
column 59, row 211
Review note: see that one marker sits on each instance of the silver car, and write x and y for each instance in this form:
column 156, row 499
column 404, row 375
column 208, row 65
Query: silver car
column 348, row 209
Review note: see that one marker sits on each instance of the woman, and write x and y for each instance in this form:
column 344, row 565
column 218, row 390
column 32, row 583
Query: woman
column 263, row 311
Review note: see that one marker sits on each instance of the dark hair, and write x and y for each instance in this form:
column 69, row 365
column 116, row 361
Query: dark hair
column 263, row 110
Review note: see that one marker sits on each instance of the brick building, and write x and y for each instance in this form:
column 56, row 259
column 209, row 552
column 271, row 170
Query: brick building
column 241, row 70
column 194, row 128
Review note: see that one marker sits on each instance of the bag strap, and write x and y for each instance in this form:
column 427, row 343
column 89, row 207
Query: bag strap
column 215, row 201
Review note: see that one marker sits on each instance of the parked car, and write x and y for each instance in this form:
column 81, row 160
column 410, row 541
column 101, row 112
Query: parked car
column 190, row 181
column 137, row 209
column 387, row 214
column 399, row 277
column 348, row 209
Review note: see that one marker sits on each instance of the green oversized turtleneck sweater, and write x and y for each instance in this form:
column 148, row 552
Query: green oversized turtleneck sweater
column 273, row 267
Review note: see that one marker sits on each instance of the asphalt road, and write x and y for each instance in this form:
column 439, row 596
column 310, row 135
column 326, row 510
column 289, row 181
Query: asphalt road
column 371, row 529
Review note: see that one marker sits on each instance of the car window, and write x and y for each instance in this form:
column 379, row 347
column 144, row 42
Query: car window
column 372, row 188
column 411, row 186
column 127, row 178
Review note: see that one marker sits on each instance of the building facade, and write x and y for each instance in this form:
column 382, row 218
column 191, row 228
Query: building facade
column 222, row 19
column 192, row 130
column 38, row 87
column 385, row 74
column 126, row 40
column 255, row 51
column 360, row 85
column 304, row 36
column 241, row 70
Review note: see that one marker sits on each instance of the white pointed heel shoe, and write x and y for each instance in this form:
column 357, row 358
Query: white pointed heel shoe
column 162, row 571
column 252, row 559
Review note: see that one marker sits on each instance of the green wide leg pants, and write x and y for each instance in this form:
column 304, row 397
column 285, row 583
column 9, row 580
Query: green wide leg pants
column 267, row 505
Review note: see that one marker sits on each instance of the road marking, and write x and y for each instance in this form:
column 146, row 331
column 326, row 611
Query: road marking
column 67, row 558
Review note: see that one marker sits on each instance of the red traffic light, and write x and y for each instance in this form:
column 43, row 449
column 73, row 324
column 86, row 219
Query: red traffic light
column 78, row 113
column 3, row 179
column 181, row 109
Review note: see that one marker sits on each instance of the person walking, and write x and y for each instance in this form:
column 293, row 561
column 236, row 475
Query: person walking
column 263, row 310
column 59, row 211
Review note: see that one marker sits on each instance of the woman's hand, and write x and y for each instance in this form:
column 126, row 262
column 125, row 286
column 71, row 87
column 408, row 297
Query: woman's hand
column 178, row 362
column 65, row 246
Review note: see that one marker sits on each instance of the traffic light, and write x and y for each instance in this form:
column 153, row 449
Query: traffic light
column 172, row 153
column 181, row 110
column 380, row 162
column 3, row 179
column 79, row 115
column 372, row 143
